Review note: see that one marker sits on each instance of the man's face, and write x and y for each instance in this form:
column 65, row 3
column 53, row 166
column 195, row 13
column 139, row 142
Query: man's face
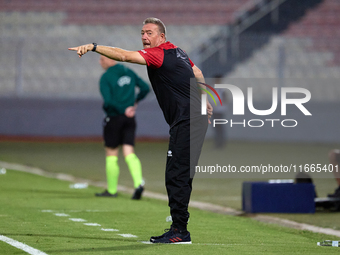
column 151, row 36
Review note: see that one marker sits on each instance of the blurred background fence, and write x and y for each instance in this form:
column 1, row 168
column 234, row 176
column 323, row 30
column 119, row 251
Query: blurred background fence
column 46, row 90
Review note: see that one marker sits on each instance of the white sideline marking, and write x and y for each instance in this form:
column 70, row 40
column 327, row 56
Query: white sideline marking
column 61, row 214
column 46, row 211
column 109, row 229
column 92, row 224
column 77, row 219
column 21, row 246
column 127, row 235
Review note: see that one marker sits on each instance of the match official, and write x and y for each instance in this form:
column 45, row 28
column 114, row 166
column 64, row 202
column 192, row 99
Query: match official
column 117, row 87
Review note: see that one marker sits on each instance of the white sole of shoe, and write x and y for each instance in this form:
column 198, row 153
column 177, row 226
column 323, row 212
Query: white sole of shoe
column 148, row 242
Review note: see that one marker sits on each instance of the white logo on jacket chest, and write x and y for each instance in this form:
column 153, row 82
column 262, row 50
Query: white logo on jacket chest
column 124, row 80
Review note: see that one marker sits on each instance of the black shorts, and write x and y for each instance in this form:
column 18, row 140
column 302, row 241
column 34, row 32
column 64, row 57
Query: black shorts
column 119, row 130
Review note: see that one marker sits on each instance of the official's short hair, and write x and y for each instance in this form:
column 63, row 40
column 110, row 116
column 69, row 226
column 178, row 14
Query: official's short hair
column 158, row 22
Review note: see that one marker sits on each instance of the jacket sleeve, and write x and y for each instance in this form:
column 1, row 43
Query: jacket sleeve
column 143, row 88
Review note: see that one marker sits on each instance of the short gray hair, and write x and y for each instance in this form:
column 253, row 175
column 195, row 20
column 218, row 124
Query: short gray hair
column 158, row 22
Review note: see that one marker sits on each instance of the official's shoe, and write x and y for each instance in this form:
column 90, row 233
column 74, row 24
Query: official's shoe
column 167, row 233
column 173, row 236
column 105, row 194
column 138, row 192
column 336, row 193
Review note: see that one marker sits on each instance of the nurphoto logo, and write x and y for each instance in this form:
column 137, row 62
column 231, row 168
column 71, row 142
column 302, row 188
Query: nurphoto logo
column 239, row 105
column 204, row 97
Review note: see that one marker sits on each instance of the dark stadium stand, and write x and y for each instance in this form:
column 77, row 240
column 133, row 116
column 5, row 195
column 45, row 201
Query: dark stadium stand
column 129, row 12
column 299, row 38
column 309, row 27
column 322, row 26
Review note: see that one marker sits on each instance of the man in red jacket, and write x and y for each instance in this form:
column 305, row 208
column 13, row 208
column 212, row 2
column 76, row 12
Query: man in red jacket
column 170, row 70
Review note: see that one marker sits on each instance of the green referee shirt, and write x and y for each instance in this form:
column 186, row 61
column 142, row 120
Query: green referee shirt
column 117, row 87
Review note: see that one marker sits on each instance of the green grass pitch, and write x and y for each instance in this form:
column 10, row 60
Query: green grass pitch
column 24, row 196
column 41, row 213
column 86, row 160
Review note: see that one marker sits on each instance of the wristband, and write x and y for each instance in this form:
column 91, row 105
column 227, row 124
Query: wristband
column 94, row 46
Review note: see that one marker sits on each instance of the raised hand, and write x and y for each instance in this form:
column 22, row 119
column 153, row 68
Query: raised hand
column 83, row 49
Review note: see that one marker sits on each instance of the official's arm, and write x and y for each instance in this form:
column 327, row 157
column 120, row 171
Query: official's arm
column 111, row 52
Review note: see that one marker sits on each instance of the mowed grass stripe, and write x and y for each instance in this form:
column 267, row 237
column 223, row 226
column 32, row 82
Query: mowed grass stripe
column 29, row 203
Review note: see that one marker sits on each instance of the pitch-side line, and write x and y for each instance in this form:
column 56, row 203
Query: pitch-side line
column 21, row 246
